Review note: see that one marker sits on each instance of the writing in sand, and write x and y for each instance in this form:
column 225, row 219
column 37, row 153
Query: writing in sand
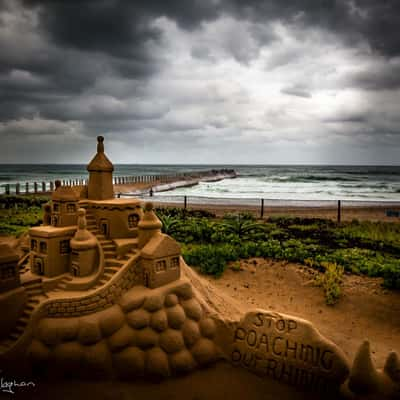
column 287, row 349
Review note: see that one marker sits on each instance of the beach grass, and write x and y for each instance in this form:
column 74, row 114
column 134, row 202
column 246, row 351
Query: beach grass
column 19, row 213
column 363, row 248
column 210, row 243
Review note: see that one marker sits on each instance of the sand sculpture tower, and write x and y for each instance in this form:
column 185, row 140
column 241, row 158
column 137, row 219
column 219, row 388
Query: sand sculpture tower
column 149, row 225
column 84, row 248
column 100, row 169
column 160, row 254
column 64, row 206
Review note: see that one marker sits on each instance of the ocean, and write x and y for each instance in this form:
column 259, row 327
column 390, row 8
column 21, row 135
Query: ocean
column 274, row 182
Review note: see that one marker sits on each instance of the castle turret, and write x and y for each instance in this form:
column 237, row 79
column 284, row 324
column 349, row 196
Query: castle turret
column 84, row 248
column 100, row 169
column 148, row 226
column 64, row 206
column 159, row 253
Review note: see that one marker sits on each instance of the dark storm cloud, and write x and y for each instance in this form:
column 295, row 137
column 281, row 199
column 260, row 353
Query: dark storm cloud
column 382, row 76
column 121, row 27
column 118, row 27
column 348, row 117
column 297, row 91
column 74, row 44
column 376, row 21
column 85, row 63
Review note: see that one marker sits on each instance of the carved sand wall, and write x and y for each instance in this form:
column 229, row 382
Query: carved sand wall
column 102, row 298
column 153, row 333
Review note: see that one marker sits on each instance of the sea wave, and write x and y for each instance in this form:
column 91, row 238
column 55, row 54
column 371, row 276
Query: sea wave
column 311, row 178
column 253, row 181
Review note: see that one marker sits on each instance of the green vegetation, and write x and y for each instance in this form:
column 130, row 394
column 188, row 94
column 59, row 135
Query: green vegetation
column 366, row 248
column 19, row 213
column 330, row 281
column 209, row 243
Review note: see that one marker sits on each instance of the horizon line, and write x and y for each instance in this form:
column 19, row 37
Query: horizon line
column 221, row 164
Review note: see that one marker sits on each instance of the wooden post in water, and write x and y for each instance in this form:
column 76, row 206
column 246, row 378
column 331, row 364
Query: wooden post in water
column 184, row 202
column 339, row 211
column 43, row 187
column 262, row 208
column 27, row 187
column 35, row 187
column 17, row 189
column 7, row 188
column 51, row 186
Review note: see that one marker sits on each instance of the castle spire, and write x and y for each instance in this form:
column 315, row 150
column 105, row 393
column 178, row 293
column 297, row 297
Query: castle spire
column 100, row 169
column 100, row 144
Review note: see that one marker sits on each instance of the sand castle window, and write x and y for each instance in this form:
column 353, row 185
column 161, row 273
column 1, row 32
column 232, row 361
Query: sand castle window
column 7, row 273
column 43, row 247
column 174, row 262
column 54, row 220
column 33, row 244
column 64, row 247
column 75, row 257
column 133, row 220
column 161, row 266
column 71, row 208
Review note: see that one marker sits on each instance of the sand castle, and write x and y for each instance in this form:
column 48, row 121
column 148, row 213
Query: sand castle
column 106, row 294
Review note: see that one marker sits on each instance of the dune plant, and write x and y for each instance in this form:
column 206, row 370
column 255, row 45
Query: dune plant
column 243, row 226
column 331, row 281
column 170, row 224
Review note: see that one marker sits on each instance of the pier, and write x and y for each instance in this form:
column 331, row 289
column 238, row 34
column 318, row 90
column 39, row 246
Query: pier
column 123, row 184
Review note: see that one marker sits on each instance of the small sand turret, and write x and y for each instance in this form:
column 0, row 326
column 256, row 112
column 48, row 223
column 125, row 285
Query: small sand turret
column 149, row 225
column 84, row 248
column 160, row 254
column 64, row 206
column 100, row 169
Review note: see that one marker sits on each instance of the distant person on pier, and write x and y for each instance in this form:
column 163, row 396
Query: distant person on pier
column 151, row 192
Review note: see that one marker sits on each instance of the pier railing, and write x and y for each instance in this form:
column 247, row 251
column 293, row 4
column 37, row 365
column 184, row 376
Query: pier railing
column 19, row 188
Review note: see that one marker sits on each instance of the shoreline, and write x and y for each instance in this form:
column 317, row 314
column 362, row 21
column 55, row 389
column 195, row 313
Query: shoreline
column 387, row 211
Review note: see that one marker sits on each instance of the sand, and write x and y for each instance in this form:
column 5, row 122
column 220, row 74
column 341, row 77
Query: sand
column 365, row 310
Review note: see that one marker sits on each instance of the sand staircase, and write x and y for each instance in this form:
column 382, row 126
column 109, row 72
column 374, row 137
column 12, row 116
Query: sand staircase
column 62, row 285
column 23, row 263
column 113, row 263
column 36, row 294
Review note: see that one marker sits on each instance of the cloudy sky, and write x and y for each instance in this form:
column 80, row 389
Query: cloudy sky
column 200, row 81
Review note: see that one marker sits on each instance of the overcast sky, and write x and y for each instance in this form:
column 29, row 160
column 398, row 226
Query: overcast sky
column 200, row 81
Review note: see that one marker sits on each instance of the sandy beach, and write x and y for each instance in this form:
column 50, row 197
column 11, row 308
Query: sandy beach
column 372, row 213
